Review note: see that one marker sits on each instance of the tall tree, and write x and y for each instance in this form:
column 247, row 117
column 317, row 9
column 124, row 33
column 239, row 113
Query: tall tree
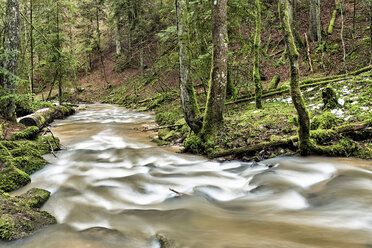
column 11, row 46
column 31, row 50
column 298, row 101
column 257, row 53
column 315, row 28
column 213, row 117
column 187, row 93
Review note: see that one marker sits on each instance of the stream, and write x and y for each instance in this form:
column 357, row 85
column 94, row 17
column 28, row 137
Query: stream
column 111, row 188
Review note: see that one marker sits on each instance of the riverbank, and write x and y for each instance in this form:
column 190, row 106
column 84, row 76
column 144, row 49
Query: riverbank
column 256, row 134
column 21, row 155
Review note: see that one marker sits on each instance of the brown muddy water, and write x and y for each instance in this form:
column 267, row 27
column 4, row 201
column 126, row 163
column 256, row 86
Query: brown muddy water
column 110, row 188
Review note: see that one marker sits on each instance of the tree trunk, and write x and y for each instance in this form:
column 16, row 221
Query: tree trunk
column 257, row 52
column 31, row 51
column 118, row 36
column 370, row 28
column 45, row 116
column 59, row 57
column 217, row 89
column 98, row 30
column 187, row 93
column 11, row 46
column 303, row 114
column 315, row 32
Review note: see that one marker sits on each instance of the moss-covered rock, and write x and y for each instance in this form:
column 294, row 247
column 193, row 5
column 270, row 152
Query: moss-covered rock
column 19, row 159
column 9, row 144
column 35, row 198
column 25, row 150
column 18, row 219
column 43, row 144
column 29, row 164
column 29, row 133
column 12, row 178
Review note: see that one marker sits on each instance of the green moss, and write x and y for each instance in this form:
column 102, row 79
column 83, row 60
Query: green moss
column 43, row 144
column 344, row 148
column 6, row 230
column 29, row 133
column 193, row 144
column 25, row 150
column 323, row 135
column 35, row 197
column 326, row 120
column 11, row 178
column 9, row 144
column 29, row 164
column 19, row 219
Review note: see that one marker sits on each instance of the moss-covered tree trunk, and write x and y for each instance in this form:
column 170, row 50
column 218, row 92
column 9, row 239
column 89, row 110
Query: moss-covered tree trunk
column 187, row 93
column 213, row 117
column 303, row 114
column 257, row 52
column 315, row 28
column 11, row 45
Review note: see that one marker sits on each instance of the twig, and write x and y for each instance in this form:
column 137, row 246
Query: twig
column 54, row 139
column 179, row 194
column 51, row 148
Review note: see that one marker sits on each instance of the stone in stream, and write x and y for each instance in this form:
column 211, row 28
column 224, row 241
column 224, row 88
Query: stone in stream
column 19, row 216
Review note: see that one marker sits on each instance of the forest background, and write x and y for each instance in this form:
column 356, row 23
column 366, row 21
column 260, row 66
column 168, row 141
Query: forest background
column 128, row 52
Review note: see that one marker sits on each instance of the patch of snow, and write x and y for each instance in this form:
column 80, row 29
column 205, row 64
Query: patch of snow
column 337, row 112
column 341, row 101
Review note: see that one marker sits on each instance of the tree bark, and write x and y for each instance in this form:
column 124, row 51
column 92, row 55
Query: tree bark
column 11, row 46
column 217, row 89
column 370, row 28
column 31, row 51
column 60, row 93
column 45, row 116
column 187, row 93
column 303, row 114
column 315, row 29
column 118, row 35
column 257, row 52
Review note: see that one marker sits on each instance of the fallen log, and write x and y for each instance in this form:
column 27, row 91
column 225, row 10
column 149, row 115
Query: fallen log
column 303, row 84
column 318, row 135
column 45, row 116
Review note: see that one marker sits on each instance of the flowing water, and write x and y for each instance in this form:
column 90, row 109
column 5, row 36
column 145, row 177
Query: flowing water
column 110, row 188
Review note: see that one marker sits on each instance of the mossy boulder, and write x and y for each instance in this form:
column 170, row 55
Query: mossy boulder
column 9, row 144
column 18, row 217
column 29, row 164
column 29, row 133
column 12, row 178
column 19, row 159
column 25, row 150
column 35, row 198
